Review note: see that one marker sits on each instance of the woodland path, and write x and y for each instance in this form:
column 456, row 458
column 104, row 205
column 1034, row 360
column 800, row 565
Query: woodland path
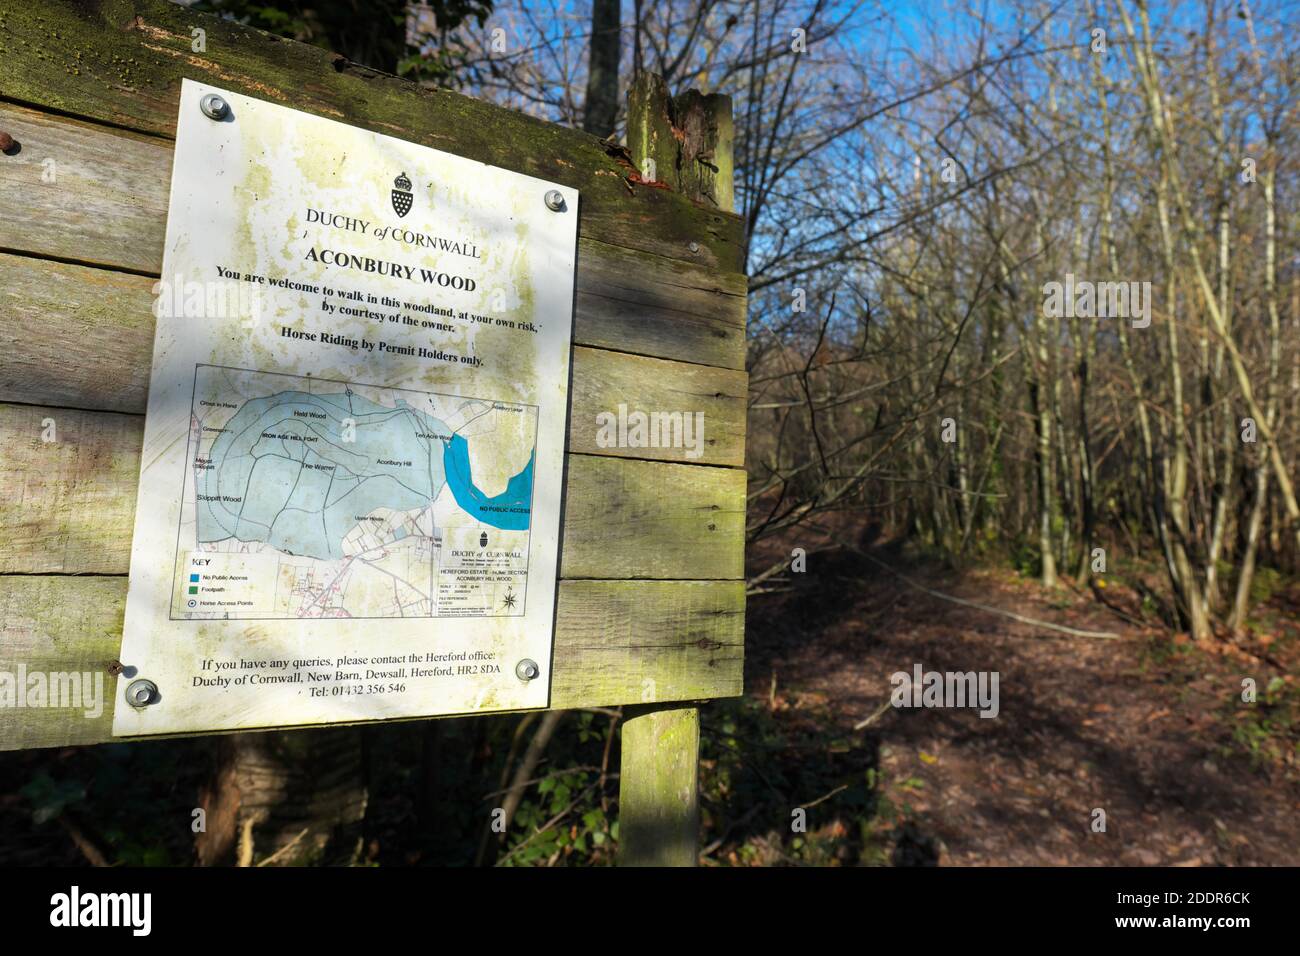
column 1140, row 726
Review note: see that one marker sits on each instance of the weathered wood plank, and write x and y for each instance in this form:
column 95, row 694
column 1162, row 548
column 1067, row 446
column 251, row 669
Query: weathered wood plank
column 94, row 195
column 624, row 642
column 649, row 305
column 121, row 62
column 612, row 646
column 657, row 521
column 67, row 506
column 60, row 625
column 652, row 386
column 74, row 336
column 658, row 793
column 77, row 191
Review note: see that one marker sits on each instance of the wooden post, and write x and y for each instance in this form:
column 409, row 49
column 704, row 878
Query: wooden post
column 658, row 805
column 683, row 142
column 688, row 139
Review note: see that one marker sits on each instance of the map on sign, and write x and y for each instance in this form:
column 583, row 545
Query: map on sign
column 325, row 499
column 354, row 445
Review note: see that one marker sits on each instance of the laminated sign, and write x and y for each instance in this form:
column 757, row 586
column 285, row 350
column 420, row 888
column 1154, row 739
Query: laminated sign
column 351, row 477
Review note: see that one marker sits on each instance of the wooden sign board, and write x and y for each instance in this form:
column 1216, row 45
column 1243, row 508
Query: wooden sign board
column 649, row 604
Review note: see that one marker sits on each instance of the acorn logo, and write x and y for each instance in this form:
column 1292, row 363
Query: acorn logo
column 401, row 194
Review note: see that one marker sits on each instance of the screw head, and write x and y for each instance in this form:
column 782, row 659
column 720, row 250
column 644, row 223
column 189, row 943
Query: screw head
column 141, row 693
column 6, row 142
column 214, row 107
column 554, row 200
column 527, row 669
column 694, row 247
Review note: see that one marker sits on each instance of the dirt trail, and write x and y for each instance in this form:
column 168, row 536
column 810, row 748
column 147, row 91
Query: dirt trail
column 1122, row 725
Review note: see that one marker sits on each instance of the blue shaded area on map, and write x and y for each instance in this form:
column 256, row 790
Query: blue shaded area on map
column 281, row 473
column 510, row 511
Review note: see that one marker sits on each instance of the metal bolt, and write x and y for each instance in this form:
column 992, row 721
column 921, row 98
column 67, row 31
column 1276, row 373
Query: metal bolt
column 527, row 669
column 694, row 247
column 214, row 107
column 554, row 200
column 6, row 142
column 141, row 693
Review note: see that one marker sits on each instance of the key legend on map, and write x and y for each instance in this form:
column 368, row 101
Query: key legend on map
column 230, row 585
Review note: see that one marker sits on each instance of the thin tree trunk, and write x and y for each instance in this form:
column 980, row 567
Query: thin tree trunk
column 521, row 781
column 1241, row 606
column 1246, row 575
